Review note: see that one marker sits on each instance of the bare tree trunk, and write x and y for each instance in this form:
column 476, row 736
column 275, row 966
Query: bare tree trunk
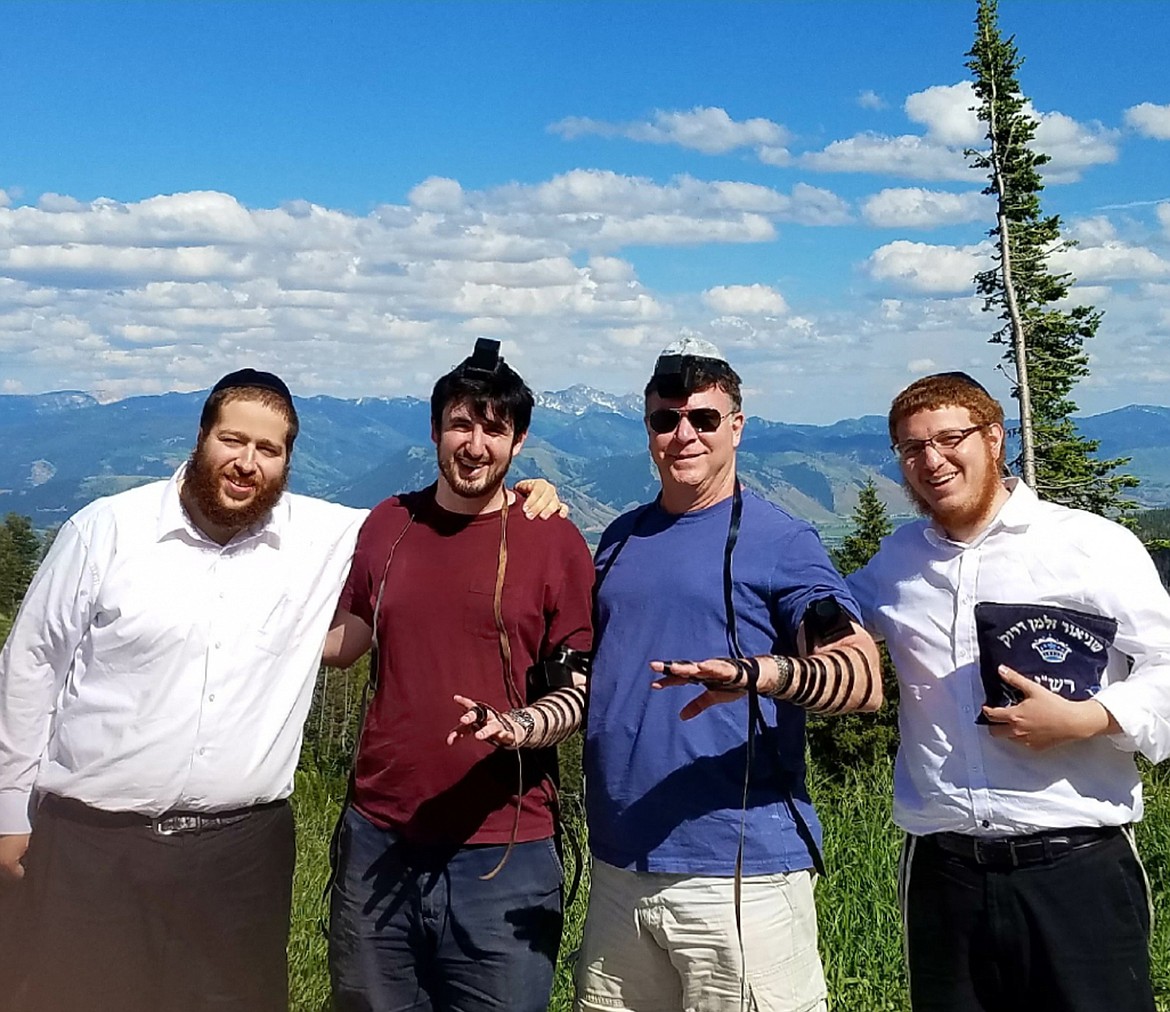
column 1019, row 340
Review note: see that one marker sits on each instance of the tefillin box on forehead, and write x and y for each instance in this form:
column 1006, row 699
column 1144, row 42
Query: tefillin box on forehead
column 678, row 375
column 485, row 358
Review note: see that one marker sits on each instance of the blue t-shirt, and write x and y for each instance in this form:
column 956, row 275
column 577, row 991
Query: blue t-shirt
column 664, row 794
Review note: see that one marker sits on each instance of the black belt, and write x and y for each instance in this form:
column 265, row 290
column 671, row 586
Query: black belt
column 1003, row 852
column 168, row 824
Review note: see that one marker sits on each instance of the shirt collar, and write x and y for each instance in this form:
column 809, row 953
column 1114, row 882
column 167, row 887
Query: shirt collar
column 173, row 519
column 1014, row 515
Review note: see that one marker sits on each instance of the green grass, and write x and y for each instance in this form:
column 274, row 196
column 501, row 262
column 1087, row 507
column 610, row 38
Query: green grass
column 860, row 930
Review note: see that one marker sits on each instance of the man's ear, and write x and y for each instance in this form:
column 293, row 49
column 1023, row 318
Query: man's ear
column 996, row 435
column 518, row 444
column 434, row 434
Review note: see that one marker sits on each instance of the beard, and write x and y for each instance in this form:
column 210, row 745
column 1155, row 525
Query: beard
column 201, row 484
column 963, row 512
column 485, row 486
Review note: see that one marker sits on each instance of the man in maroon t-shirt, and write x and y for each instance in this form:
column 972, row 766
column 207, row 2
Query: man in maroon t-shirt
column 448, row 891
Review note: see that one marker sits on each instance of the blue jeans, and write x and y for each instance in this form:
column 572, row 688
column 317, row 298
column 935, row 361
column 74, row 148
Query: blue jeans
column 417, row 928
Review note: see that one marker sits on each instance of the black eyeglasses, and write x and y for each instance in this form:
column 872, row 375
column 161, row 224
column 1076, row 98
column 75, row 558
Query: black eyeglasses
column 666, row 420
column 948, row 439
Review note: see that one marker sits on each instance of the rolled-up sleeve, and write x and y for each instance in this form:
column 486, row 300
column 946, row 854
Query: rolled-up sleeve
column 34, row 664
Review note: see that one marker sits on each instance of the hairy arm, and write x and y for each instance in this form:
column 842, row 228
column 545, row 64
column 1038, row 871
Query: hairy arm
column 840, row 677
column 548, row 721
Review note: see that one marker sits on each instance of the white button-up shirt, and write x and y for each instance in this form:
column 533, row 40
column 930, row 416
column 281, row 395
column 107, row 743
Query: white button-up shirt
column 150, row 668
column 919, row 594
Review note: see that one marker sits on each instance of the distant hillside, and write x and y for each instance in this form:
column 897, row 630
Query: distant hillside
column 58, row 451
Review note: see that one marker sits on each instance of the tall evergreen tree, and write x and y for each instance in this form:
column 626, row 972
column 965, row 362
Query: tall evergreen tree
column 871, row 523
column 20, row 551
column 1045, row 342
column 853, row 740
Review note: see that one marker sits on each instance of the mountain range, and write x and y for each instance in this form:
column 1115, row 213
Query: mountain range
column 60, row 450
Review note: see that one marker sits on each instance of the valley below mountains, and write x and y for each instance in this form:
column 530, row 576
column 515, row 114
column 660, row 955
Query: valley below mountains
column 59, row 451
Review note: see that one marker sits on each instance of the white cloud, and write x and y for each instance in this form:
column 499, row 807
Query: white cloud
column 920, row 267
column 437, row 194
column 870, row 99
column 922, row 366
column 907, row 155
column 1149, row 120
column 951, row 128
column 1111, row 261
column 5, row 200
column 947, row 112
column 1072, row 146
column 749, row 300
column 1163, row 213
column 708, row 129
column 914, row 207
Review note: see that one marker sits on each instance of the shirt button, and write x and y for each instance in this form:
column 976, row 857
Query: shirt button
column 202, row 750
column 218, row 644
column 986, row 824
column 211, row 698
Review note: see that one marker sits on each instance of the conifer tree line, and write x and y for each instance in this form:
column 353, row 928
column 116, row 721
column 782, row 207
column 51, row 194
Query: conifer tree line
column 20, row 552
column 1045, row 353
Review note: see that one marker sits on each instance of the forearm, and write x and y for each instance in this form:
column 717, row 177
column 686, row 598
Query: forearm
column 548, row 721
column 839, row 679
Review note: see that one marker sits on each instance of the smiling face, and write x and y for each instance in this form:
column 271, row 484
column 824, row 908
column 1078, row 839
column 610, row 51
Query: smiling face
column 238, row 470
column 697, row 469
column 474, row 454
column 959, row 488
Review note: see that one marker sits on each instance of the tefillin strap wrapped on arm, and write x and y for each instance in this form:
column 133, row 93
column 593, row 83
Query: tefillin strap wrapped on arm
column 827, row 681
column 557, row 705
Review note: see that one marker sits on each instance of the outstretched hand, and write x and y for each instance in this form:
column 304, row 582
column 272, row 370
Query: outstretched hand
column 720, row 677
column 1043, row 719
column 483, row 723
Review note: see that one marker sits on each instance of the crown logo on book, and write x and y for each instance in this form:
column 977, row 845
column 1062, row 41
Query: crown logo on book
column 1052, row 651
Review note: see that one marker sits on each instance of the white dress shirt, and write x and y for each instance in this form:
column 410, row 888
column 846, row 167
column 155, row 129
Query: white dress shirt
column 919, row 594
column 150, row 668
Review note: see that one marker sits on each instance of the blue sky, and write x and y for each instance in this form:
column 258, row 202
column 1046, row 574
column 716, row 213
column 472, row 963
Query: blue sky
column 349, row 193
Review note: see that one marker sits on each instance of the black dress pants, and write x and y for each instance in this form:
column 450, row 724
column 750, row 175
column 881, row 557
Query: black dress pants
column 122, row 919
column 1069, row 935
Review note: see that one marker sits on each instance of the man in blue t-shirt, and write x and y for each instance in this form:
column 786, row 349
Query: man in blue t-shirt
column 701, row 889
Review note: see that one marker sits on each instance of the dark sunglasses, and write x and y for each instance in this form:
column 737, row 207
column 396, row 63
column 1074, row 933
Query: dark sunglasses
column 666, row 420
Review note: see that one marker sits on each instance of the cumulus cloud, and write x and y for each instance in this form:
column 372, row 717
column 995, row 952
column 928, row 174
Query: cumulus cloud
column 907, row 155
column 947, row 112
column 708, row 129
column 951, row 127
column 1163, row 212
column 182, row 287
column 914, row 207
column 1149, row 120
column 1111, row 261
column 1072, row 146
column 745, row 300
column 924, row 268
column 869, row 99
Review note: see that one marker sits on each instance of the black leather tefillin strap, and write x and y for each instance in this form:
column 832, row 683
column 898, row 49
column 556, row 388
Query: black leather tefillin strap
column 749, row 669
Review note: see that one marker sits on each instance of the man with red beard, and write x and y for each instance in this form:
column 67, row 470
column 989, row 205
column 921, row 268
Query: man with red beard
column 152, row 695
column 1032, row 646
column 448, row 887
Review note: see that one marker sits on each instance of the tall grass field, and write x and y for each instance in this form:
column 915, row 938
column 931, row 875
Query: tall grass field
column 860, row 929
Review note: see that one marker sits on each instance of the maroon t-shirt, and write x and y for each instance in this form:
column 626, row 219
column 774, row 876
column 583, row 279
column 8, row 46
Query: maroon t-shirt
column 437, row 636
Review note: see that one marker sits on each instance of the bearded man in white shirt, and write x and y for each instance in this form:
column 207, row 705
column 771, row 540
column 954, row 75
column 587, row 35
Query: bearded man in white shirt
column 1020, row 884
column 153, row 691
